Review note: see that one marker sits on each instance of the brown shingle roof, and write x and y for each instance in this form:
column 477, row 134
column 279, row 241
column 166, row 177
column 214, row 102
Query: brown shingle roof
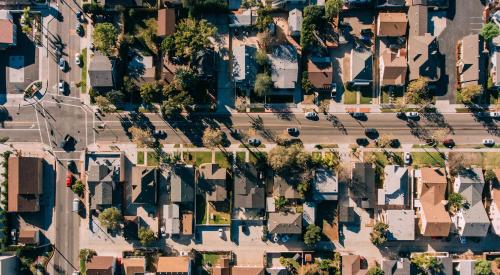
column 247, row 270
column 394, row 67
column 100, row 265
column 177, row 265
column 28, row 236
column 6, row 31
column 320, row 73
column 132, row 266
column 351, row 265
column 166, row 22
column 392, row 24
column 432, row 187
column 28, row 171
column 469, row 67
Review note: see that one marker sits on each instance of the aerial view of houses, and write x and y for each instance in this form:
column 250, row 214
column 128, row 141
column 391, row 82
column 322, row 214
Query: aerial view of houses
column 242, row 137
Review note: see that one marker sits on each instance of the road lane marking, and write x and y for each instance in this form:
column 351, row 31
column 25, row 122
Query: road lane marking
column 15, row 129
column 38, row 122
column 47, row 127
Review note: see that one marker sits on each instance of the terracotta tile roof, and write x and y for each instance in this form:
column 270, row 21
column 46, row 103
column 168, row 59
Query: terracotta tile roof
column 351, row 265
column 132, row 266
column 178, row 265
column 6, row 31
column 247, row 270
column 187, row 224
column 222, row 267
column 100, row 265
column 320, row 72
column 166, row 22
column 394, row 67
column 28, row 171
column 28, row 236
column 432, row 188
column 392, row 24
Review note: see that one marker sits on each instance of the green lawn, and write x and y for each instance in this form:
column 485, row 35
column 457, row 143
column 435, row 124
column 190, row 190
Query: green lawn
column 210, row 259
column 366, row 96
column 427, row 159
column 491, row 160
column 197, row 158
column 140, row 157
column 384, row 159
column 84, row 71
column 349, row 97
column 240, row 156
column 218, row 213
column 220, row 158
column 152, row 160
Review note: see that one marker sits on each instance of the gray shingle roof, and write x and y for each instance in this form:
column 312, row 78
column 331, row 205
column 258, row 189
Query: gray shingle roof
column 101, row 71
column 248, row 192
column 244, row 64
column 143, row 184
column 469, row 69
column 182, row 184
column 396, row 267
column 401, row 225
column 285, row 223
column 212, row 180
column 295, row 21
column 325, row 185
column 363, row 187
column 361, row 66
column 285, row 67
column 395, row 190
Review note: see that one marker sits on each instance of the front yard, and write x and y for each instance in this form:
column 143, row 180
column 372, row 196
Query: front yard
column 424, row 159
column 349, row 97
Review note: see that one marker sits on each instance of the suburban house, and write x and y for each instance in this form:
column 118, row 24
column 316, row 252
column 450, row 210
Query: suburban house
column 423, row 48
column 144, row 185
column 325, row 186
column 361, row 67
column 222, row 267
column 432, row 3
column 8, row 264
column 284, row 223
column 25, row 184
column 243, row 19
column 171, row 219
column 434, row 220
column 103, row 180
column 101, row 265
column 320, row 72
column 112, row 4
column 141, row 68
column 395, row 192
column 351, row 264
column 363, row 187
column 206, row 63
column 282, row 187
column 495, row 204
column 393, row 67
column 354, row 3
column 392, row 24
column 166, row 22
column 284, row 68
column 471, row 220
column 282, row 4
column 495, row 62
column 244, row 66
column 29, row 236
column 400, row 266
column 295, row 22
column 179, row 265
column 133, row 266
column 469, row 65
column 464, row 267
column 401, row 224
column 248, row 188
column 182, row 184
column 212, row 181
column 101, row 72
column 8, row 30
column 248, row 270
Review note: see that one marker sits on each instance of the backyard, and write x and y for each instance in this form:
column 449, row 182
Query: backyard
column 219, row 212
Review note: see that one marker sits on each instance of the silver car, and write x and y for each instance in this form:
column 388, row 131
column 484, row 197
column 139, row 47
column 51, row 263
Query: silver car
column 488, row 142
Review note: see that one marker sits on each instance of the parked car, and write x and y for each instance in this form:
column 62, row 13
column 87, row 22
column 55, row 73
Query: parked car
column 79, row 16
column 311, row 115
column 362, row 141
column 159, row 133
column 462, row 240
column 13, row 235
column 221, row 233
column 371, row 133
column 254, row 142
column 407, row 158
column 333, row 92
column 70, row 164
column 62, row 64
column 358, row 115
column 293, row 131
column 495, row 114
column 285, row 238
column 401, row 115
column 412, row 115
column 488, row 142
column 450, row 143
column 79, row 28
column 61, row 86
column 69, row 179
column 76, row 204
column 78, row 59
column 66, row 141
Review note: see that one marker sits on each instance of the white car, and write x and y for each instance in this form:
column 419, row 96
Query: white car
column 76, row 205
column 334, row 91
column 311, row 115
column 61, row 85
column 488, row 142
column 221, row 233
column 407, row 158
column 494, row 114
column 411, row 114
column 78, row 59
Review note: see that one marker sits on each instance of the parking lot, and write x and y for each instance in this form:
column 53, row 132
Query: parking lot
column 18, row 65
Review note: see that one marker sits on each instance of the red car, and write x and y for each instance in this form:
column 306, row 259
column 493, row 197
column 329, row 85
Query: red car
column 69, row 179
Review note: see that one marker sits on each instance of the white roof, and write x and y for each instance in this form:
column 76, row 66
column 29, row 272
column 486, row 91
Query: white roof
column 171, row 218
column 401, row 225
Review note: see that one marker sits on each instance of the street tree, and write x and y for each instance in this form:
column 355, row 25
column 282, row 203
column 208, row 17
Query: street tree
column 427, row 264
column 291, row 158
column 264, row 18
column 482, row 267
column 312, row 235
column 470, row 93
column 115, row 96
column 151, row 92
column 78, row 188
column 262, row 59
column 489, row 31
column 104, row 104
column 140, row 137
column 378, row 236
column 490, row 176
column 417, row 92
column 176, row 102
column 440, row 135
column 333, row 8
column 110, row 218
column 455, row 202
column 186, row 79
column 263, row 84
column 213, row 138
column 146, row 236
column 191, row 36
column 385, row 140
column 376, row 270
column 105, row 36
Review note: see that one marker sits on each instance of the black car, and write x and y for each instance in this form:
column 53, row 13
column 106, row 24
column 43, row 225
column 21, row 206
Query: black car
column 67, row 142
column 371, row 133
column 362, row 141
column 293, row 131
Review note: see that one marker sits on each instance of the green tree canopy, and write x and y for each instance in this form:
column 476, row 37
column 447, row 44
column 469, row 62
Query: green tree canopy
column 104, row 104
column 490, row 176
column 105, row 36
column 191, row 36
column 378, row 236
column 314, row 20
column 455, row 202
column 489, row 31
column 146, row 236
column 417, row 92
column 312, row 235
column 263, row 84
column 174, row 104
column 376, row 270
column 151, row 92
column 111, row 218
column 333, row 8
column 482, row 267
column 264, row 18
column 291, row 158
column 470, row 93
column 427, row 264
column 213, row 137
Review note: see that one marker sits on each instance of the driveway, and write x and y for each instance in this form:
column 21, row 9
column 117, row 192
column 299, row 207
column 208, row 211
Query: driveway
column 463, row 17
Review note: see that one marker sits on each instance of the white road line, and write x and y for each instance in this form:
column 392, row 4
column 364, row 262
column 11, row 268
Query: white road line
column 13, row 129
column 66, row 104
column 47, row 126
column 38, row 123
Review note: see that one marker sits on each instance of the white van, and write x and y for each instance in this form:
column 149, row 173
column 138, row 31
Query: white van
column 76, row 204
